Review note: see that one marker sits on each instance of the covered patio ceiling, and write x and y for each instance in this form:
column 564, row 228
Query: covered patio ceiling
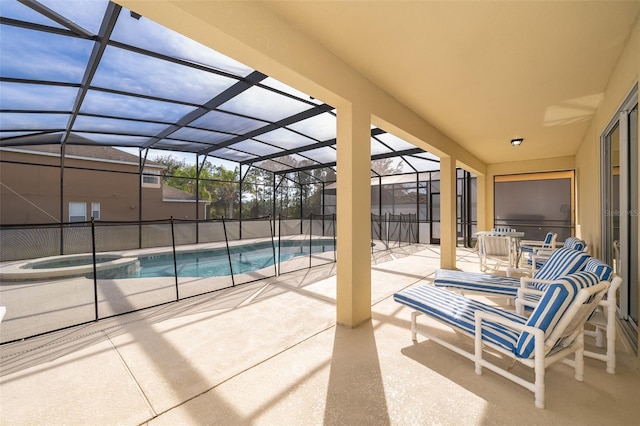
column 94, row 73
column 481, row 72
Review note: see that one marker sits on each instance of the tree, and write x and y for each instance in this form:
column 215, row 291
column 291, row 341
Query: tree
column 224, row 188
column 171, row 163
column 385, row 167
column 215, row 183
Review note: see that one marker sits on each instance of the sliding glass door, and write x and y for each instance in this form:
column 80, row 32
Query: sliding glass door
column 619, row 144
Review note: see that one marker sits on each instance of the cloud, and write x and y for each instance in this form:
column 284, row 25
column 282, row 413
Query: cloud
column 41, row 56
column 36, row 97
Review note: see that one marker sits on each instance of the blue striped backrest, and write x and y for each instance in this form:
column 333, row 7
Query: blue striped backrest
column 598, row 267
column 575, row 243
column 547, row 240
column 562, row 261
column 552, row 306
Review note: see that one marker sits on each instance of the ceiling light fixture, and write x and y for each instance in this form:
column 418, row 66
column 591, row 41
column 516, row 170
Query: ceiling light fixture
column 517, row 142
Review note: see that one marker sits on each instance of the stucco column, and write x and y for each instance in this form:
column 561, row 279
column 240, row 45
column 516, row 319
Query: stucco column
column 353, row 215
column 447, row 212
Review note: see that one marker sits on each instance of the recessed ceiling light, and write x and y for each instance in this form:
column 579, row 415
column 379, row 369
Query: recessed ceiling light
column 517, row 142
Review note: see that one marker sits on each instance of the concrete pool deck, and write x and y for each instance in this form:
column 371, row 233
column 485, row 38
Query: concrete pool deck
column 270, row 353
column 46, row 303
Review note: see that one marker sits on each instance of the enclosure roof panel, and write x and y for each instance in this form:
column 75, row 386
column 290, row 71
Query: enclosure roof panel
column 90, row 72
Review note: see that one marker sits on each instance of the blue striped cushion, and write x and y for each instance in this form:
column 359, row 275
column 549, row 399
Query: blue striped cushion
column 562, row 261
column 553, row 304
column 526, row 249
column 458, row 311
column 474, row 281
column 598, row 267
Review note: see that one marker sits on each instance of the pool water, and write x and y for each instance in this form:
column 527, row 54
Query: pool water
column 215, row 262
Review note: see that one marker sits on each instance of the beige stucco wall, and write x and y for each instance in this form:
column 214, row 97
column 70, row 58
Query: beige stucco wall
column 624, row 76
column 30, row 191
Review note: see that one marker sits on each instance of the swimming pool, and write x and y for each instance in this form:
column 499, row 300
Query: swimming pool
column 215, row 262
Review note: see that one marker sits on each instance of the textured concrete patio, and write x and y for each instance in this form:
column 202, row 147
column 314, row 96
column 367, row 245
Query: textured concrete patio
column 270, row 353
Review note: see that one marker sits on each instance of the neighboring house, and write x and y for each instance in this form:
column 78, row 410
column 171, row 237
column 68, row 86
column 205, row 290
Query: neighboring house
column 99, row 182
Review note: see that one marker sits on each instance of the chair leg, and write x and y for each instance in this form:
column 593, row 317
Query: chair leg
column 611, row 343
column 414, row 327
column 478, row 352
column 599, row 334
column 539, row 382
column 539, row 369
column 579, row 358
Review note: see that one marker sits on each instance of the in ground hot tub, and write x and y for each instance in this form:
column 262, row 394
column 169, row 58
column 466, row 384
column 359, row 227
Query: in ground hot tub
column 76, row 265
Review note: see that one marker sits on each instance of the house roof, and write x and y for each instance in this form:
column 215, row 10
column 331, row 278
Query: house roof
column 87, row 152
column 169, row 193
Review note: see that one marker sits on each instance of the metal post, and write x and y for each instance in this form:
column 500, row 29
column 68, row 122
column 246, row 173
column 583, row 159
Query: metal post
column 226, row 240
column 273, row 246
column 240, row 201
column 62, row 154
column 95, row 269
column 469, row 201
column 380, row 195
column 279, row 240
column 274, row 196
column 141, row 164
column 322, row 212
column 310, row 237
column 417, row 235
column 198, row 172
column 335, row 245
column 175, row 262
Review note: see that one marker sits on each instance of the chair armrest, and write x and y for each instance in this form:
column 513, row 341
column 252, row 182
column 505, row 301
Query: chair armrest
column 543, row 252
column 526, row 271
column 481, row 315
column 531, row 243
column 525, row 281
column 522, row 301
column 538, row 336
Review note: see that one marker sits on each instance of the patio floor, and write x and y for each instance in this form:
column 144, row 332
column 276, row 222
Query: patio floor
column 270, row 353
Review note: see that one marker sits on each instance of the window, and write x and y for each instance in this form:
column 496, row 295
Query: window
column 95, row 210
column 151, row 178
column 77, row 212
column 536, row 203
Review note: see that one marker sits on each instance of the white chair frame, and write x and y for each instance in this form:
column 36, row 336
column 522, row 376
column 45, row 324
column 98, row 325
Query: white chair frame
column 570, row 327
column 603, row 319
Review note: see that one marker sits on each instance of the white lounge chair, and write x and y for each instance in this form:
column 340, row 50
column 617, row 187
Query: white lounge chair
column 530, row 247
column 562, row 262
column 603, row 318
column 538, row 257
column 552, row 332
